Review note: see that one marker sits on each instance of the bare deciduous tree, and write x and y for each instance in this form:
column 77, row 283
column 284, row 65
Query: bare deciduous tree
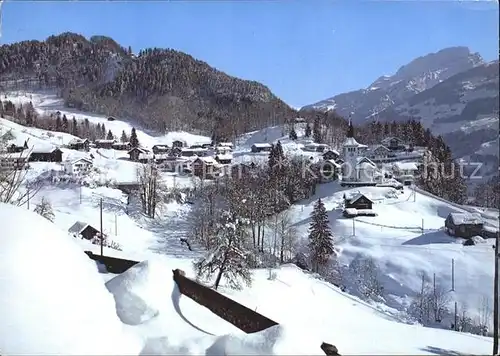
column 150, row 186
column 365, row 275
column 44, row 208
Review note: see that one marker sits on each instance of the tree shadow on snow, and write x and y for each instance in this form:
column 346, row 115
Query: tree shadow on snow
column 436, row 237
column 439, row 351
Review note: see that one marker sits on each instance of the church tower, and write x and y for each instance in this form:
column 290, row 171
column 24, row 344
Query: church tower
column 351, row 154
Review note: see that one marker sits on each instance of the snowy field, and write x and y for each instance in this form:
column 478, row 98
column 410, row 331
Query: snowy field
column 405, row 239
column 44, row 307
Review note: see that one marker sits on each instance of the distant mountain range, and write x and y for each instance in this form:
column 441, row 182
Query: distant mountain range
column 453, row 92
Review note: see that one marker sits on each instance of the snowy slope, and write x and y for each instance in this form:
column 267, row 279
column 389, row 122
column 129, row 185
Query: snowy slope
column 403, row 251
column 52, row 299
column 156, row 319
column 48, row 102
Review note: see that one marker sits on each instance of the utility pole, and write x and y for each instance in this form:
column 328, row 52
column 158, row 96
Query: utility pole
column 353, row 227
column 422, row 299
column 456, row 317
column 422, row 225
column 495, row 298
column 80, row 194
column 116, row 226
column 102, row 236
column 453, row 274
column 28, row 192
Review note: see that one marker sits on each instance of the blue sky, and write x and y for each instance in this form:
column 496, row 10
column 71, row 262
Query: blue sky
column 303, row 50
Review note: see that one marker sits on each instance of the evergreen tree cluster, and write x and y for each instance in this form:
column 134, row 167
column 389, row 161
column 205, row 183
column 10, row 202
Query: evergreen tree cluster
column 487, row 194
column 26, row 115
column 163, row 89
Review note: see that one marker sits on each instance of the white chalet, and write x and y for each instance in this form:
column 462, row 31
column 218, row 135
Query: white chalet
column 404, row 171
column 358, row 169
column 78, row 167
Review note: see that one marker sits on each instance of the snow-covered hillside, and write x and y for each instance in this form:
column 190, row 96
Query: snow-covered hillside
column 150, row 316
column 405, row 239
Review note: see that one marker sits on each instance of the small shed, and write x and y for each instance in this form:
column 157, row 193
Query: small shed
column 79, row 144
column 179, row 144
column 135, row 152
column 359, row 201
column 84, row 230
column 261, row 147
column 465, row 225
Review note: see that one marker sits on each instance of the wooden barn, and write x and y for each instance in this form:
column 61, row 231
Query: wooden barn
column 465, row 225
column 106, row 144
column 179, row 144
column 261, row 147
column 121, row 146
column 359, row 201
column 79, row 144
column 46, row 154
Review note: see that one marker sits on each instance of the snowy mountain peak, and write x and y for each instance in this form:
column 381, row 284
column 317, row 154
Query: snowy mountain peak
column 418, row 75
column 449, row 60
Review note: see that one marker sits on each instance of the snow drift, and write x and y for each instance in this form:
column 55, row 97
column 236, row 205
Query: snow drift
column 52, row 299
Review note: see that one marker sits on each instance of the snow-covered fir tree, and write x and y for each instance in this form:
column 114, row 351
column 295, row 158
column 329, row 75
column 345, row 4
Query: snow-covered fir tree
column 307, row 132
column 134, row 141
column 293, row 134
column 227, row 257
column 320, row 238
column 124, row 137
column 44, row 208
column 317, row 130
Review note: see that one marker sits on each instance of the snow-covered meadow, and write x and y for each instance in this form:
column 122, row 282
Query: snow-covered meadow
column 405, row 239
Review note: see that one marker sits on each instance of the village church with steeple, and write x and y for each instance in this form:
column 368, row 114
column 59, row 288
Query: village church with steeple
column 357, row 169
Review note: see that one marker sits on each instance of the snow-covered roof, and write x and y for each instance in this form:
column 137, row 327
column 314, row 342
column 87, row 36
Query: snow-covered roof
column 333, row 151
column 81, row 159
column 379, row 147
column 226, row 144
column 43, row 149
column 466, row 218
column 405, row 166
column 78, row 227
column 141, row 150
column 207, row 160
column 76, row 141
column 262, row 145
column 351, row 142
column 390, row 138
column 224, row 157
column 105, row 141
column 364, row 161
column 356, row 197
